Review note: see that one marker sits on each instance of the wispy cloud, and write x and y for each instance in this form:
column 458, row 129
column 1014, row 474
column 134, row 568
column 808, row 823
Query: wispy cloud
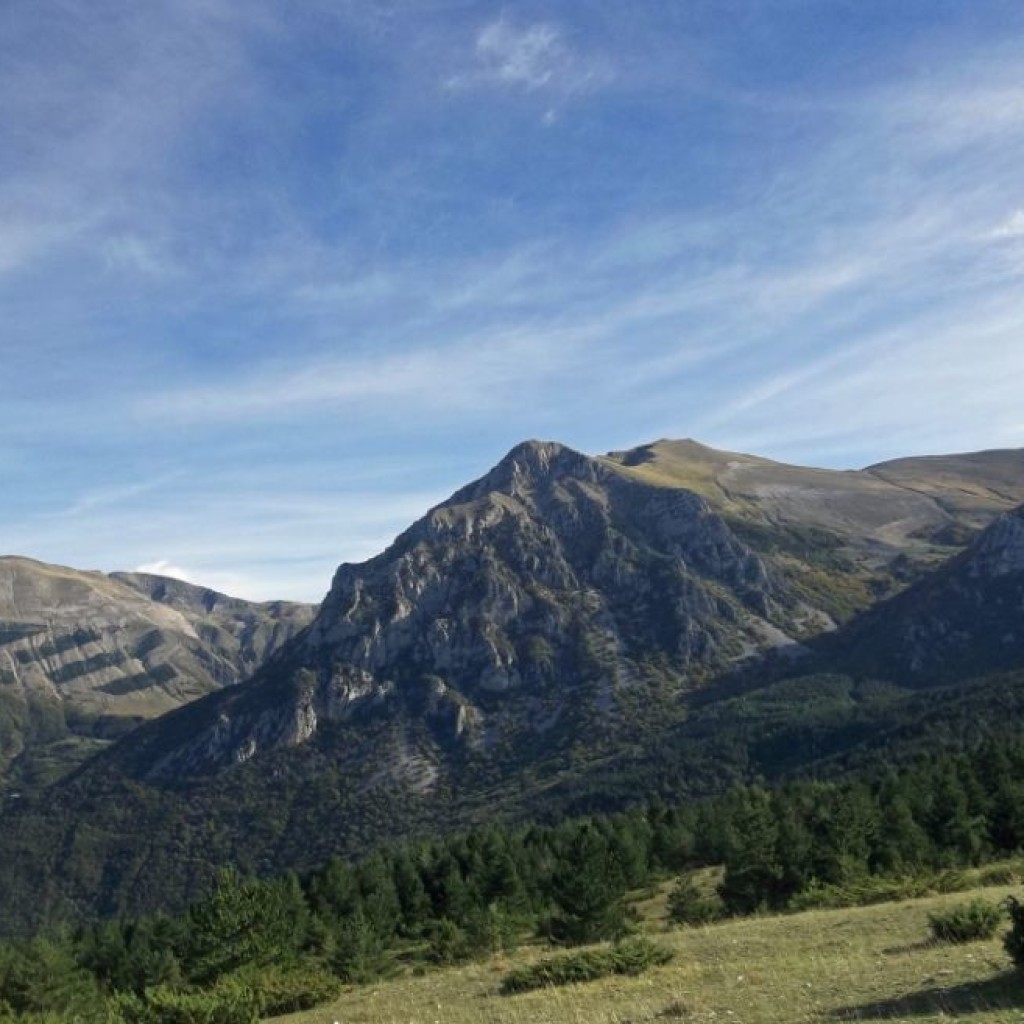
column 532, row 57
column 447, row 380
column 163, row 567
column 251, row 543
column 1012, row 227
column 263, row 248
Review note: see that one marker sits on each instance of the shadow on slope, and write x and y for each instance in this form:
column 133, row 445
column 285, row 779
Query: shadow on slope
column 1003, row 992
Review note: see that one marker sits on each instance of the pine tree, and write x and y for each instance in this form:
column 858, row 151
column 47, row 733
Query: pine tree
column 753, row 870
column 413, row 901
column 588, row 889
column 378, row 898
column 244, row 923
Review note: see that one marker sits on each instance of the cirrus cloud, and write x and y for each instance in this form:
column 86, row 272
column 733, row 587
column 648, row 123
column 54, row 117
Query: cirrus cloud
column 533, row 58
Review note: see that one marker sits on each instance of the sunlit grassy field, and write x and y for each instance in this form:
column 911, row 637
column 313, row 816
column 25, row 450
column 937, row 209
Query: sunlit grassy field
column 867, row 963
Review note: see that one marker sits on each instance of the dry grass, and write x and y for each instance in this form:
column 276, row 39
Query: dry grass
column 866, row 964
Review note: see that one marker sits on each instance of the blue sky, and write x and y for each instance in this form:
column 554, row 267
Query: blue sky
column 276, row 277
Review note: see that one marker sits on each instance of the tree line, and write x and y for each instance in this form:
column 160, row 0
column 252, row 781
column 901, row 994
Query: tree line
column 272, row 945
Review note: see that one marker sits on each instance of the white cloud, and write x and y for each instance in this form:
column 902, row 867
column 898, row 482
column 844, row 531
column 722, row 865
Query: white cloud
column 477, row 375
column 532, row 58
column 1012, row 227
column 162, row 567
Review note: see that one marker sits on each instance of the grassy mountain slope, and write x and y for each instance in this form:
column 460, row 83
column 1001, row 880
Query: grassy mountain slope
column 866, row 963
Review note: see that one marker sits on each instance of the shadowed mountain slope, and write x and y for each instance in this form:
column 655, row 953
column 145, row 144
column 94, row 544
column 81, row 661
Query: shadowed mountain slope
column 965, row 618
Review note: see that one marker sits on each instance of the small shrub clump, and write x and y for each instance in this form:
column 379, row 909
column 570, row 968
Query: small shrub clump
column 968, row 922
column 872, row 889
column 631, row 956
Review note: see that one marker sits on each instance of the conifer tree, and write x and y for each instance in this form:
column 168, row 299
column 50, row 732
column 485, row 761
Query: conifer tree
column 588, row 888
column 753, row 870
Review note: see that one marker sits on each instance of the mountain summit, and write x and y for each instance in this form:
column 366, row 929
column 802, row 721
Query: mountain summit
column 552, row 594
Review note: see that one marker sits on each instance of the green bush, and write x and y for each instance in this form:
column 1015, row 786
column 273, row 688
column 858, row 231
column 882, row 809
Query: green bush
column 287, row 990
column 631, row 956
column 968, row 922
column 873, row 889
column 227, row 1004
column 1014, row 941
column 999, row 874
column 448, row 943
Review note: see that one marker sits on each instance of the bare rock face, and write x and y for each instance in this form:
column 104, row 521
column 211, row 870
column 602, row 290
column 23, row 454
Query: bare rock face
column 999, row 551
column 242, row 635
column 549, row 552
column 89, row 654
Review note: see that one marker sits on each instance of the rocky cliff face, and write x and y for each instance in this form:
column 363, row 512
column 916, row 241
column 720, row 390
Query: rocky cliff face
column 240, row 635
column 87, row 654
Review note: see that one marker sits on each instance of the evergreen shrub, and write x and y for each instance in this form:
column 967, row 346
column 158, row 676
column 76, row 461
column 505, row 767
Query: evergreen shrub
column 287, row 990
column 631, row 956
column 687, row 904
column 227, row 1004
column 1014, row 941
column 448, row 943
column 872, row 889
column 967, row 922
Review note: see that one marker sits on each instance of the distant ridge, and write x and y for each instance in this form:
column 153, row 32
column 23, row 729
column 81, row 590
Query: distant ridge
column 84, row 656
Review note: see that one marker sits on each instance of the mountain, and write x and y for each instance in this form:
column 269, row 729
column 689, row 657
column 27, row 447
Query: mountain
column 562, row 595
column 563, row 631
column 85, row 656
column 624, row 580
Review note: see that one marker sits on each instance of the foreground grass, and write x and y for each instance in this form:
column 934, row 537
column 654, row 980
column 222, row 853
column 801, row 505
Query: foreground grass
column 866, row 964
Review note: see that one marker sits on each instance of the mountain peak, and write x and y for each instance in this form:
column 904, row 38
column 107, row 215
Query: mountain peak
column 527, row 465
column 532, row 458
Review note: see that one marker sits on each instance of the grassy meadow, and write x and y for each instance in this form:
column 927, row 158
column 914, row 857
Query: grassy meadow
column 872, row 963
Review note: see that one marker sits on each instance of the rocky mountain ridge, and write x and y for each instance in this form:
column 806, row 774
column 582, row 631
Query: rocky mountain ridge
column 561, row 595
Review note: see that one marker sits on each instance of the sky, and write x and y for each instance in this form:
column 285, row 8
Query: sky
column 275, row 278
